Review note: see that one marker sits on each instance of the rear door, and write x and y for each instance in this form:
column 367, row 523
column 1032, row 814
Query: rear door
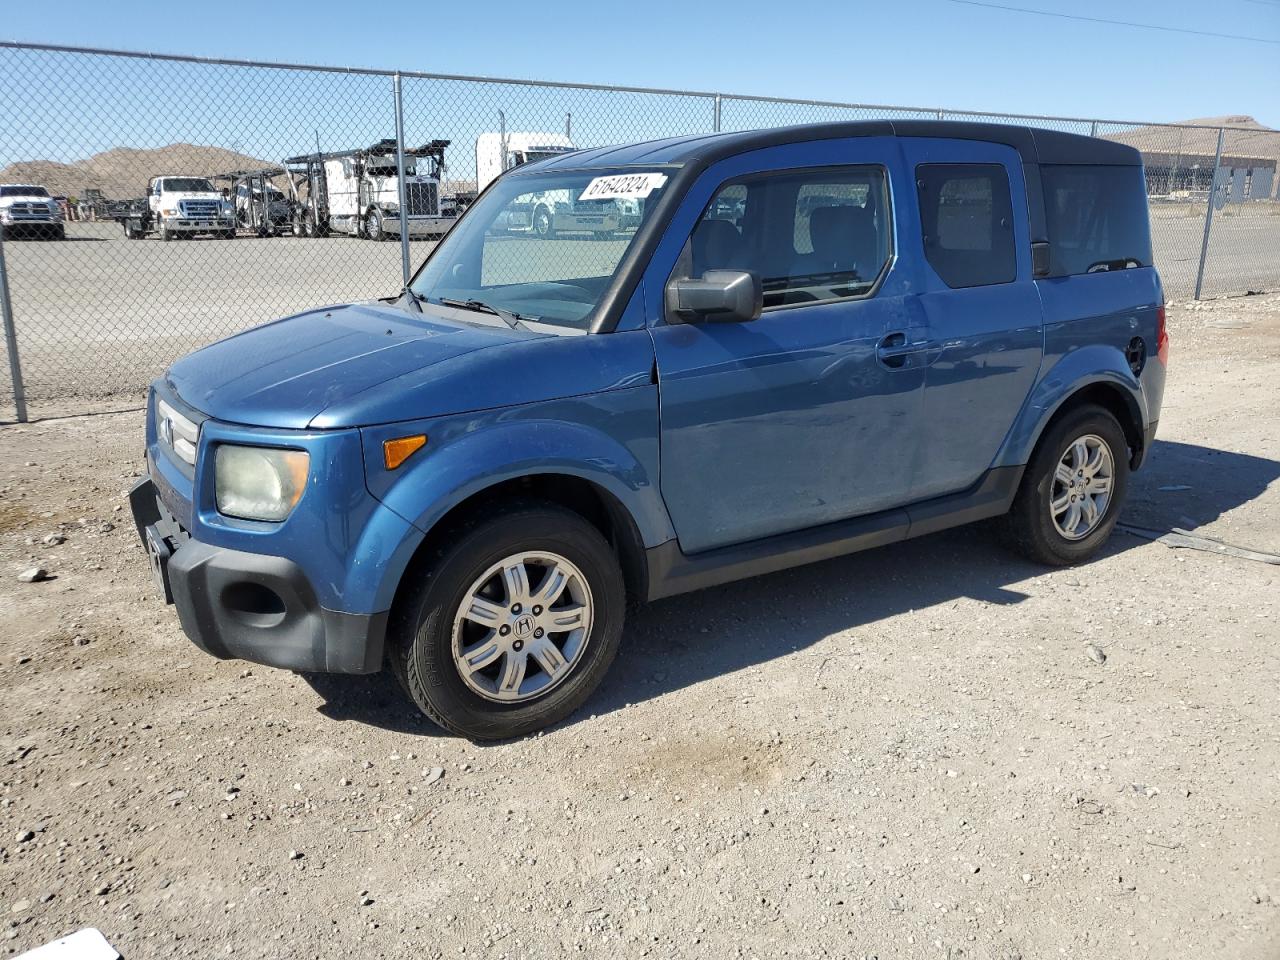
column 981, row 306
column 807, row 415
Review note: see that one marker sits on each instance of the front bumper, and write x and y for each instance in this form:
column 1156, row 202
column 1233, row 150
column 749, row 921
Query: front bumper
column 249, row 606
column 185, row 225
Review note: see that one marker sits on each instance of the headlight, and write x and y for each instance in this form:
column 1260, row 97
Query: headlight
column 170, row 213
column 259, row 483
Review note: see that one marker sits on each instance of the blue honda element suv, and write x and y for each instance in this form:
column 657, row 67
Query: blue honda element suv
column 810, row 341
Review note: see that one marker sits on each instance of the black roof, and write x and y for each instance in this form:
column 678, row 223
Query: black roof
column 1035, row 145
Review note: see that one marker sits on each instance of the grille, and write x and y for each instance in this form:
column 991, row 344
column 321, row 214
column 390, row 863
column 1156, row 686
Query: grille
column 198, row 209
column 176, row 432
column 423, row 199
column 30, row 210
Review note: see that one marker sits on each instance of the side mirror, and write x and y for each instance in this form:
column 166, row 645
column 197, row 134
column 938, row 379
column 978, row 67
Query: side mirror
column 721, row 296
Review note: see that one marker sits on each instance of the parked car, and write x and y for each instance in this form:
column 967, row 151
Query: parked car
column 469, row 481
column 27, row 210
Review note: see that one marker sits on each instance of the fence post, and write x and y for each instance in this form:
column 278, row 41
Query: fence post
column 1208, row 213
column 1093, row 129
column 11, row 340
column 715, row 117
column 400, row 188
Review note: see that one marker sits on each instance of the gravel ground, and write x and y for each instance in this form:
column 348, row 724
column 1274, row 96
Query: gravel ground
column 911, row 752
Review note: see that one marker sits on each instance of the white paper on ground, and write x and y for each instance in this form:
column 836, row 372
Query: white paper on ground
column 86, row 944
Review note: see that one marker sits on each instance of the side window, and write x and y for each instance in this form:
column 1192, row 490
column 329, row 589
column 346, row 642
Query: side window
column 966, row 218
column 1096, row 218
column 812, row 236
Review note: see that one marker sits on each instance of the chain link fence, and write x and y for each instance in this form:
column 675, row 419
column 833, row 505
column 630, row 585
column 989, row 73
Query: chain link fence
column 197, row 198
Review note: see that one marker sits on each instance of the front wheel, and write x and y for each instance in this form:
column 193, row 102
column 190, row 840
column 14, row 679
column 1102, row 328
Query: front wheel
column 511, row 624
column 1072, row 490
column 373, row 226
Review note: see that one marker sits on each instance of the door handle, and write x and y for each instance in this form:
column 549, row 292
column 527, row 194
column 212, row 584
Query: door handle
column 894, row 350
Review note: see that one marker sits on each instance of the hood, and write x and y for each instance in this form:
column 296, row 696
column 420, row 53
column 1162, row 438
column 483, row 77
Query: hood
column 27, row 198
column 286, row 373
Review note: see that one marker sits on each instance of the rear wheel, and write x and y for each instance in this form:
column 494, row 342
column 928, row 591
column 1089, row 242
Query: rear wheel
column 542, row 225
column 1072, row 490
column 511, row 624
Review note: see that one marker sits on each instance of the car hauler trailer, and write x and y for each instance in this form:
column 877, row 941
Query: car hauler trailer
column 247, row 189
column 358, row 191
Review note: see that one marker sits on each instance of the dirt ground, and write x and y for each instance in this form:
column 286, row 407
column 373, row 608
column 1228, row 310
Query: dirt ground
column 904, row 753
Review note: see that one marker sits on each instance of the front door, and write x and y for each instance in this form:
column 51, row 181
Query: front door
column 809, row 414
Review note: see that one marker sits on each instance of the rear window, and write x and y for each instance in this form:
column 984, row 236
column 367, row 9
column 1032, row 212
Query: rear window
column 1097, row 219
column 966, row 217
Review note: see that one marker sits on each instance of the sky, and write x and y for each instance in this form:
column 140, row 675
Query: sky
column 905, row 52
column 958, row 54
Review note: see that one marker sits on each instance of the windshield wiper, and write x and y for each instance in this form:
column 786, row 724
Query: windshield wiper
column 512, row 320
column 407, row 292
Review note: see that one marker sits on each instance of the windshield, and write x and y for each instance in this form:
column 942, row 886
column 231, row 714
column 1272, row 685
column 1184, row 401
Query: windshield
column 187, row 185
column 534, row 155
column 409, row 170
column 544, row 246
column 23, row 192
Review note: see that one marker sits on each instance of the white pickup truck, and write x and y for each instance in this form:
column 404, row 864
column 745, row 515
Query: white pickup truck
column 178, row 206
column 28, row 208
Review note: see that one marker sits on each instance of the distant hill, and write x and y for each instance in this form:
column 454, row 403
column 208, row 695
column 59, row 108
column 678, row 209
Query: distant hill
column 123, row 172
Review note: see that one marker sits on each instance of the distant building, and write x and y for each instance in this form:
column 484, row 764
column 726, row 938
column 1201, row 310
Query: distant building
column 1179, row 160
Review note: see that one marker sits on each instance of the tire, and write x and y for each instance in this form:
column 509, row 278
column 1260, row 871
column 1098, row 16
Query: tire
column 228, row 234
column 373, row 226
column 59, row 233
column 543, row 227
column 428, row 616
column 165, row 233
column 1033, row 527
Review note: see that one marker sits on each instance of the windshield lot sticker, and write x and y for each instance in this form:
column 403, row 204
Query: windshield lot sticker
column 623, row 186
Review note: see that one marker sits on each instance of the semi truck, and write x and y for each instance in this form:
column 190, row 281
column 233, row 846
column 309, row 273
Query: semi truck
column 358, row 191
column 550, row 212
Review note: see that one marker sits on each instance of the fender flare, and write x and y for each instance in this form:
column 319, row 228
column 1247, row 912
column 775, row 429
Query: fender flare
column 470, row 464
column 1076, row 371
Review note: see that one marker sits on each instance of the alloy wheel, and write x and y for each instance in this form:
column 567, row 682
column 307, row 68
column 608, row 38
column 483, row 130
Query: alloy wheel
column 522, row 627
column 1082, row 485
